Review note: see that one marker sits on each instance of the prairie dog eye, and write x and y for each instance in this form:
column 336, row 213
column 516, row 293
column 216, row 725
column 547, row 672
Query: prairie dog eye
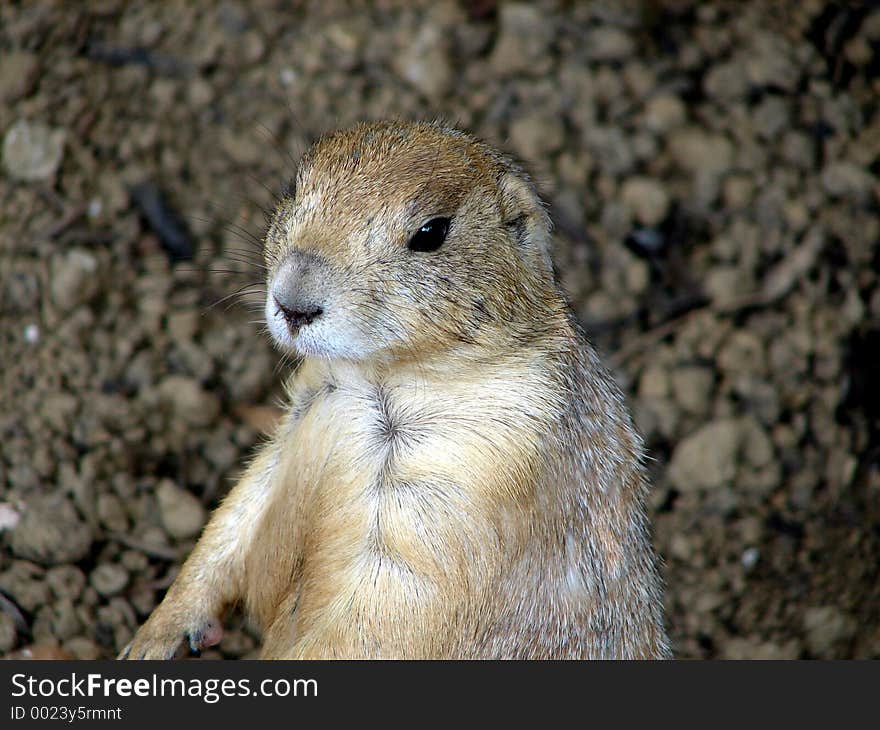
column 430, row 236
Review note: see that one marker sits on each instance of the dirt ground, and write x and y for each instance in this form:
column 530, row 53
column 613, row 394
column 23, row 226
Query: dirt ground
column 712, row 169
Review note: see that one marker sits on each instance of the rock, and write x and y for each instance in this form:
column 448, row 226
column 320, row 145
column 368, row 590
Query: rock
column 738, row 191
column 742, row 352
column 752, row 647
column 536, row 135
column 134, row 561
column 8, row 633
column 263, row 419
column 654, row 382
column 182, row 514
column 23, row 582
column 701, row 153
column 9, row 516
column 647, row 199
column 32, row 151
column 66, row 581
column 769, row 62
column 74, row 279
column 611, row 149
column 692, row 388
column 771, row 117
column 757, row 445
column 58, row 410
column 707, row 458
column 797, row 148
column 50, row 532
column 424, row 62
column 780, row 279
column 81, row 647
column 664, row 113
column 111, row 512
column 183, row 325
column 41, row 652
column 109, row 579
column 18, row 71
column 56, row 621
column 524, row 37
column 608, row 44
column 726, row 82
column 847, row 180
column 825, row 627
column 750, row 557
column 725, row 286
column 245, row 148
column 188, row 400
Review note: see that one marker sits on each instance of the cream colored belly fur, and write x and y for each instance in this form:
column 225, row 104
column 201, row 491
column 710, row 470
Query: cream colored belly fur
column 394, row 552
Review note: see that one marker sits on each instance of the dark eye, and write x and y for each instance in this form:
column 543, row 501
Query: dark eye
column 430, row 236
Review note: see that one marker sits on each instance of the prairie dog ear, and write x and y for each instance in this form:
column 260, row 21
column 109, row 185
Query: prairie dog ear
column 527, row 220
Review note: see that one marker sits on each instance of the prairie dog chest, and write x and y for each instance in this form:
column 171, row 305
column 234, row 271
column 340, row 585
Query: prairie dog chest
column 397, row 463
column 356, row 438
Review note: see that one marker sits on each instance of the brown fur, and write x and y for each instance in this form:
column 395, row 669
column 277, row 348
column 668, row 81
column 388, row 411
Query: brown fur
column 457, row 475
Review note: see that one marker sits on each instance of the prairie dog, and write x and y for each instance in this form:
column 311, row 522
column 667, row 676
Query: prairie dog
column 457, row 475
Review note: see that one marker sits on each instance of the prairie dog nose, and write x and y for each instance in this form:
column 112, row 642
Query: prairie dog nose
column 297, row 291
column 296, row 317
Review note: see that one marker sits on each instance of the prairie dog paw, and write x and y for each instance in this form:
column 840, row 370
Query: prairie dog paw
column 159, row 639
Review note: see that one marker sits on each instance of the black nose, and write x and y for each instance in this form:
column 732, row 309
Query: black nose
column 299, row 318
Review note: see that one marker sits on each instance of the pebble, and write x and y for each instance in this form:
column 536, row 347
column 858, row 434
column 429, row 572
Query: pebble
column 707, row 458
column 608, row 44
column 611, row 148
column 524, row 37
column 66, row 581
column 81, row 647
column 18, row 70
column 188, row 400
column 647, row 199
column 111, row 512
column 725, row 286
column 738, row 191
column 847, row 180
column 181, row 513
column 742, row 352
column 32, row 334
column 50, row 532
column 757, row 446
column 425, row 63
column 23, row 582
column 109, row 579
column 770, row 63
column 654, row 382
column 826, row 626
column 74, row 279
column 750, row 557
column 32, row 151
column 536, row 135
column 704, row 153
column 754, row 648
column 9, row 516
column 726, row 82
column 692, row 388
column 664, row 112
column 8, row 633
column 771, row 117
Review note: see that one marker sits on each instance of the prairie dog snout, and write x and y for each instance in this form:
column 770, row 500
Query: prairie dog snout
column 297, row 294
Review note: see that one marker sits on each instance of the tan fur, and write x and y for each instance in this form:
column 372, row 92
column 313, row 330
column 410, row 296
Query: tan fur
column 457, row 475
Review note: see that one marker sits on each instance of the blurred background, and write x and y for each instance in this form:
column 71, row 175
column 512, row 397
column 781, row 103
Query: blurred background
column 712, row 172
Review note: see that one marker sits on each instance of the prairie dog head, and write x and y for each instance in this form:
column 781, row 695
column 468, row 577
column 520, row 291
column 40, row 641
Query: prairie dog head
column 402, row 239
